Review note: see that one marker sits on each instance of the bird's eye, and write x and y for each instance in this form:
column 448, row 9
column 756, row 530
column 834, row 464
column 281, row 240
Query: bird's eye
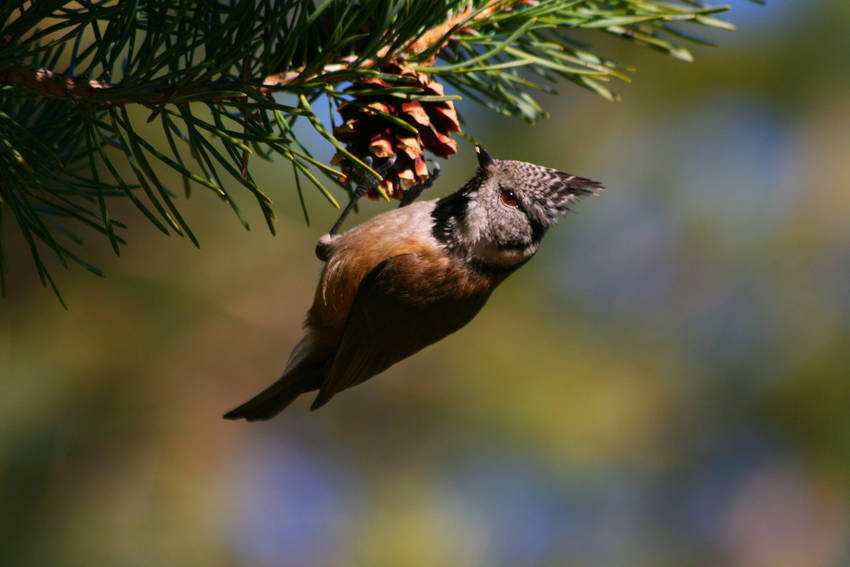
column 509, row 198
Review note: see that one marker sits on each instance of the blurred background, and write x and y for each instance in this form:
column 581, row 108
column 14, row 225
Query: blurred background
column 666, row 383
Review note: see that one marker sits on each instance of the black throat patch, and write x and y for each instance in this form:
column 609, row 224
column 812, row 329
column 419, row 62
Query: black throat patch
column 448, row 215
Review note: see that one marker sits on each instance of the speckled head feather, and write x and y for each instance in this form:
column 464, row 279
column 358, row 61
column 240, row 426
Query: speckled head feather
column 498, row 218
column 546, row 192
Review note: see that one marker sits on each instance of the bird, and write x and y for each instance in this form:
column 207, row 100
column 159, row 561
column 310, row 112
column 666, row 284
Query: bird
column 409, row 277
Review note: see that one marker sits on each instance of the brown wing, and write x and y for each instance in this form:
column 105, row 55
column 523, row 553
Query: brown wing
column 403, row 305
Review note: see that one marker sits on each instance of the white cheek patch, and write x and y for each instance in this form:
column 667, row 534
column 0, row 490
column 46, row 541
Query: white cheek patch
column 485, row 250
column 475, row 218
column 488, row 252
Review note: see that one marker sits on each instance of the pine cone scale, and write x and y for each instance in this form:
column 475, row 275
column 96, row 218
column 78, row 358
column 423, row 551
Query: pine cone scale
column 367, row 129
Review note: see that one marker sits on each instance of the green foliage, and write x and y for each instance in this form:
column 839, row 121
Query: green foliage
column 225, row 80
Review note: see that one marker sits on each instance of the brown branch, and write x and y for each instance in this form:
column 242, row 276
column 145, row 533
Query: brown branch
column 57, row 84
column 47, row 81
column 418, row 45
column 432, row 36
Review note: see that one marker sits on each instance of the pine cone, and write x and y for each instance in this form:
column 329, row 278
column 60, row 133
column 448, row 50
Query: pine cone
column 367, row 131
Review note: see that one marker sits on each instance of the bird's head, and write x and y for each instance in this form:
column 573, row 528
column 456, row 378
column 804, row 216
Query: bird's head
column 500, row 216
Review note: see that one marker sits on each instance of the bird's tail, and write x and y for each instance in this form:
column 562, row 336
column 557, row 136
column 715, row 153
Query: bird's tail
column 269, row 402
column 302, row 374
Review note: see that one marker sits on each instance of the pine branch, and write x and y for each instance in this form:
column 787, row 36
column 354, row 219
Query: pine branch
column 213, row 76
column 55, row 84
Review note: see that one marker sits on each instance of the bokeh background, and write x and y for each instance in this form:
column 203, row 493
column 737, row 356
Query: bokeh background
column 667, row 383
